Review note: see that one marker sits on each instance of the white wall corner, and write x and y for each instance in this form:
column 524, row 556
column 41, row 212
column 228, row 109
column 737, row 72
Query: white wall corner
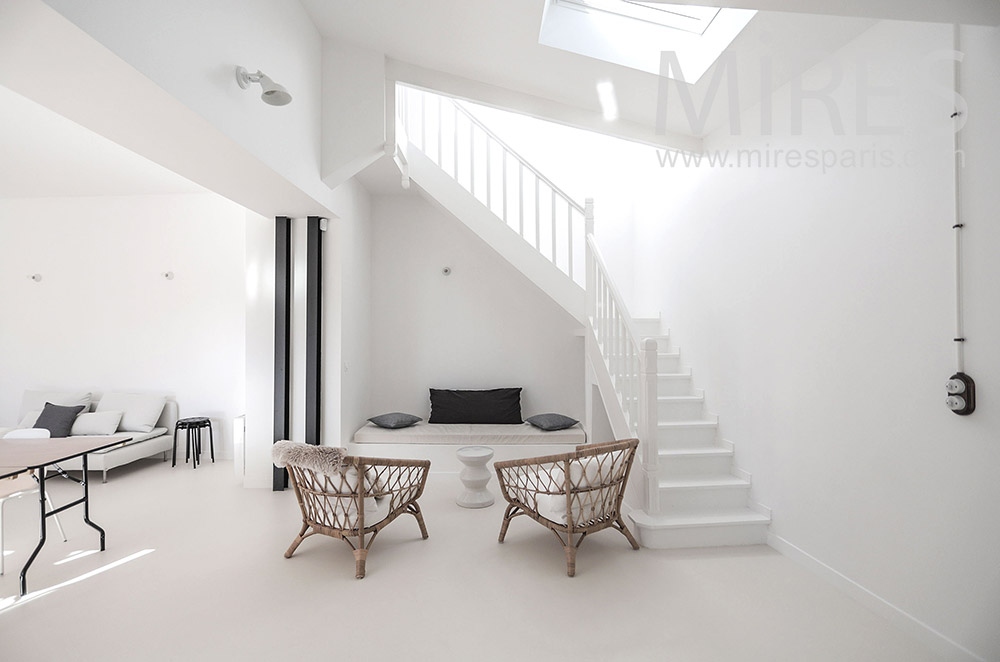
column 948, row 648
column 353, row 110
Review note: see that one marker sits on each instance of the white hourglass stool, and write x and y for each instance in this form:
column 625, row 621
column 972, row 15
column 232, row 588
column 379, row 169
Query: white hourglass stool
column 474, row 477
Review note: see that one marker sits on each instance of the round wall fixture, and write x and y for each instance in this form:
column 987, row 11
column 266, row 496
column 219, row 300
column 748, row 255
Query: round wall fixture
column 272, row 93
column 446, row 271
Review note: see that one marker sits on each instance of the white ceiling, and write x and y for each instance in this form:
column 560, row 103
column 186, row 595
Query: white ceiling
column 43, row 154
column 497, row 43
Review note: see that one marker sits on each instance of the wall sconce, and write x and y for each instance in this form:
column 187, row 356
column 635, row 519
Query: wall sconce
column 169, row 275
column 446, row 271
column 36, row 277
column 272, row 94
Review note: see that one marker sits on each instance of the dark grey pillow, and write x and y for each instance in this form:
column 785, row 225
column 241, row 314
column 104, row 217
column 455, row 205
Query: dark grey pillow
column 497, row 406
column 58, row 420
column 395, row 420
column 551, row 422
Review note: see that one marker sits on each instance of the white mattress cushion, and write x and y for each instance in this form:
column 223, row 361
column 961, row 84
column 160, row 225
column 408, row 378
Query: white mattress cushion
column 137, row 437
column 346, row 483
column 469, row 433
column 35, row 400
column 139, row 411
column 98, row 423
column 585, row 506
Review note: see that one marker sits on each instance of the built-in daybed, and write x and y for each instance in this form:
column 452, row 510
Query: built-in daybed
column 438, row 442
column 486, row 417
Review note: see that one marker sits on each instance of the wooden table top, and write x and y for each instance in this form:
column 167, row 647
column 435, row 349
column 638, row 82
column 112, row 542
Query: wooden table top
column 19, row 455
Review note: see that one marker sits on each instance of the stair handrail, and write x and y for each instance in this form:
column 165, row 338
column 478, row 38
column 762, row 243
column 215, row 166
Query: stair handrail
column 617, row 298
column 548, row 182
column 567, row 247
column 630, row 362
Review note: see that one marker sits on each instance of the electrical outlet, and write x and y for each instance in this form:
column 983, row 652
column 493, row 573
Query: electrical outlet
column 961, row 394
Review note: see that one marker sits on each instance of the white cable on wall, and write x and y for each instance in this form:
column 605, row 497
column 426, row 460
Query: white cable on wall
column 958, row 224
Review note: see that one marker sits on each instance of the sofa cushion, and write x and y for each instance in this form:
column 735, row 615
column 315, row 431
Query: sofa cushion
column 139, row 411
column 551, row 422
column 496, row 405
column 96, row 424
column 35, row 400
column 395, row 420
column 58, row 420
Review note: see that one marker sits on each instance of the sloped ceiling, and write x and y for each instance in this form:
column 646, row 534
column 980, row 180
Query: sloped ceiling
column 46, row 155
column 497, row 43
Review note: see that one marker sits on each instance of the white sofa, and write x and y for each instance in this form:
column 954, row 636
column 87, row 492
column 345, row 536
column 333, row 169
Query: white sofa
column 143, row 444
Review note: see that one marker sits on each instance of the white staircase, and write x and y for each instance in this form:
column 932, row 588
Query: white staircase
column 462, row 166
column 691, row 493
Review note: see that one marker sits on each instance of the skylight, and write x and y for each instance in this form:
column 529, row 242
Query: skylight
column 634, row 34
column 680, row 17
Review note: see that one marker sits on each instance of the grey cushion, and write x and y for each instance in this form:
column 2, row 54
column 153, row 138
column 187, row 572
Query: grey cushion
column 58, row 420
column 550, row 422
column 395, row 420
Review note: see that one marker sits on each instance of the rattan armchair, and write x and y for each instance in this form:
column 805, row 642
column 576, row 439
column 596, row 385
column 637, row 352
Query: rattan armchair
column 573, row 494
column 335, row 503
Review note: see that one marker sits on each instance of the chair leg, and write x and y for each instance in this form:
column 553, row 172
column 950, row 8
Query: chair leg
column 211, row 440
column 570, row 559
column 104, row 475
column 48, row 503
column 173, row 450
column 415, row 509
column 627, row 533
column 360, row 556
column 298, row 541
column 506, row 522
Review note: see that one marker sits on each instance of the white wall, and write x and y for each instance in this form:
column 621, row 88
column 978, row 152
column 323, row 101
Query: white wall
column 483, row 326
column 347, row 333
column 191, row 49
column 103, row 318
column 817, row 309
column 353, row 109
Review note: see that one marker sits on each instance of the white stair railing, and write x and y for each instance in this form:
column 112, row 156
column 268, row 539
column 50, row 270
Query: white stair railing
column 630, row 361
column 511, row 188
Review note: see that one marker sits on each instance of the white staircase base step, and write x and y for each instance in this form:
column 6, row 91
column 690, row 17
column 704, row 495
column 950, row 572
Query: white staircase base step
column 721, row 529
column 680, row 407
column 681, row 434
column 676, row 462
column 676, row 383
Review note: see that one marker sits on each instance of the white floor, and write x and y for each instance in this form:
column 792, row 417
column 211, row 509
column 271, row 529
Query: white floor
column 194, row 570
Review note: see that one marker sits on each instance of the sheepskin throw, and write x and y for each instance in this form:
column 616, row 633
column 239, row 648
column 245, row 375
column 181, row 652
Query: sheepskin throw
column 326, row 460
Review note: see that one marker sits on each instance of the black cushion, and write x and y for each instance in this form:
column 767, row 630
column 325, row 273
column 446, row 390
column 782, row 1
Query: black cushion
column 496, row 405
column 57, row 419
column 395, row 420
column 550, row 422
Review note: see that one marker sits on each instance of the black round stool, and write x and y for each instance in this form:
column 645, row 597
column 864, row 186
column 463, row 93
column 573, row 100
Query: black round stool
column 192, row 427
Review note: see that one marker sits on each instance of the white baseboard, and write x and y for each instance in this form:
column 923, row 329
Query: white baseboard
column 950, row 649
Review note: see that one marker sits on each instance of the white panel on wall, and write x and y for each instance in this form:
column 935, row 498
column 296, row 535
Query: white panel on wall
column 104, row 317
column 260, row 234
column 482, row 326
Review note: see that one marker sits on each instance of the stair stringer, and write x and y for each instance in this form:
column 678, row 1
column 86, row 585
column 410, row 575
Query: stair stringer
column 440, row 189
